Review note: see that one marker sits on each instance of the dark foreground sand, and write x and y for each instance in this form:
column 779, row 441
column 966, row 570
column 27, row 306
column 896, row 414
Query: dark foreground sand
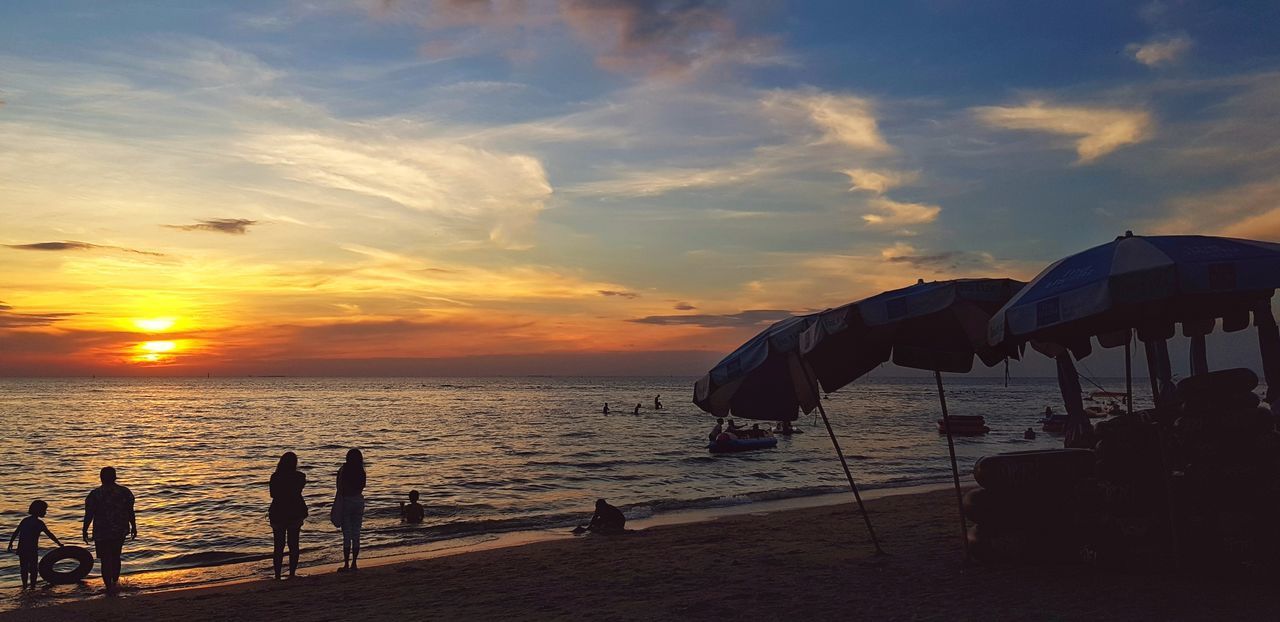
column 813, row 563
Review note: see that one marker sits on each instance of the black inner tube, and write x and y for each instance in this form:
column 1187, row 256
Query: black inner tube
column 82, row 557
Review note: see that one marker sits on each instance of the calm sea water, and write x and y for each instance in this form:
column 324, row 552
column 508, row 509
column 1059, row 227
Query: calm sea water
column 487, row 454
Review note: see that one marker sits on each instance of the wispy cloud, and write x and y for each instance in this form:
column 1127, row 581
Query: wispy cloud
column 887, row 213
column 1250, row 210
column 845, row 119
column 76, row 246
column 753, row 317
column 501, row 193
column 1165, row 50
column 234, row 226
column 683, row 306
column 1099, row 130
column 879, row 181
column 11, row 319
column 618, row 294
column 630, row 36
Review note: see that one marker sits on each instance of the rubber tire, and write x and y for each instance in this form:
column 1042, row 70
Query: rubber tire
column 49, row 573
column 1036, row 469
column 1207, row 387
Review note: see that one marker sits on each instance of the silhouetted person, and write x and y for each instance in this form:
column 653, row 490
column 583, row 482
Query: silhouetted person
column 1029, row 435
column 28, row 536
column 637, row 410
column 606, row 408
column 657, row 404
column 716, row 431
column 413, row 512
column 288, row 510
column 607, row 519
column 109, row 508
column 785, row 428
column 351, row 480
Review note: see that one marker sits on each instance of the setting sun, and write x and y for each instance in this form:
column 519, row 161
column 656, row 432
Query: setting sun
column 155, row 351
column 155, row 325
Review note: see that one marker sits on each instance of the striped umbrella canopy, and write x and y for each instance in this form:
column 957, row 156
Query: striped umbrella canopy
column 762, row 379
column 938, row 326
column 1143, row 282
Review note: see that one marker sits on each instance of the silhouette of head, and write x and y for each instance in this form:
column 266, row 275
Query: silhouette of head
column 107, row 475
column 413, row 496
column 355, row 458
column 600, row 503
column 38, row 508
column 719, row 419
column 288, row 462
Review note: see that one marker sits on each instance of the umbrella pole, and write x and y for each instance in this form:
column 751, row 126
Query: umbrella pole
column 1128, row 373
column 955, row 471
column 848, row 475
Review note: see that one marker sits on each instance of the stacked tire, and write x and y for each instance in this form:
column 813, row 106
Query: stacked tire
column 1228, row 488
column 1132, row 483
column 1033, row 506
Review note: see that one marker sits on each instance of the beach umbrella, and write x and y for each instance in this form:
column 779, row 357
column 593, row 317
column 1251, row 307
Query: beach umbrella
column 1150, row 283
column 939, row 326
column 766, row 379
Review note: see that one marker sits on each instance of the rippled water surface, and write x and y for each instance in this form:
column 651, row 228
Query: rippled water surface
column 487, row 454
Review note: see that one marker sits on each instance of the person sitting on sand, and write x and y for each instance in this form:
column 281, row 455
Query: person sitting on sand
column 28, row 536
column 716, row 431
column 607, row 519
column 413, row 512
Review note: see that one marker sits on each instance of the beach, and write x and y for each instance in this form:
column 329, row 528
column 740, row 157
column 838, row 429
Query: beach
column 809, row 563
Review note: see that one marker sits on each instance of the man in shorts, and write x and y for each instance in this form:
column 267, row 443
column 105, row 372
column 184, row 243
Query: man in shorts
column 110, row 509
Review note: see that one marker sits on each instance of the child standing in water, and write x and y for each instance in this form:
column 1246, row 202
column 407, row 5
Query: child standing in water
column 413, row 512
column 28, row 536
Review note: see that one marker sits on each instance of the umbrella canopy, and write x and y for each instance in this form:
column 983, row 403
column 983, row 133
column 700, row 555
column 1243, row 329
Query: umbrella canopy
column 1144, row 282
column 763, row 378
column 938, row 326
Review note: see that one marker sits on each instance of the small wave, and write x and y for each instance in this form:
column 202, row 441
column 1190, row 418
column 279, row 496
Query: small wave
column 210, row 558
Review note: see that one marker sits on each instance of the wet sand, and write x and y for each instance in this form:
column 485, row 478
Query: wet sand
column 814, row 563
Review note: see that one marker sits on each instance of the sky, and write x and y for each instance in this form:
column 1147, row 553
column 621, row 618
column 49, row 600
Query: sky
column 455, row 187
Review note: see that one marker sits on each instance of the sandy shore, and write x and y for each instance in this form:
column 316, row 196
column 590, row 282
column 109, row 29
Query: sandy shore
column 814, row 563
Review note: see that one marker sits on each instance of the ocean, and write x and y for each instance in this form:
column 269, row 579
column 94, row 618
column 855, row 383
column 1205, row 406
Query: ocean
column 488, row 455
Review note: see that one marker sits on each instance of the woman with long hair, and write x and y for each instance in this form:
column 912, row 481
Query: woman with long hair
column 288, row 510
column 351, row 479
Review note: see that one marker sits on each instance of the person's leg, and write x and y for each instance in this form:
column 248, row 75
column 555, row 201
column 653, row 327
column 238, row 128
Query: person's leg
column 109, row 552
column 346, row 543
column 294, row 531
column 28, row 567
column 354, row 518
column 277, row 547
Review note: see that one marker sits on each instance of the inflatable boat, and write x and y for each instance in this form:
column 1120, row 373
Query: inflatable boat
column 964, row 425
column 724, row 445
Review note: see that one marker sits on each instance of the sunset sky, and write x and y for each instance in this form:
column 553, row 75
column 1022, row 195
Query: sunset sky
column 584, row 186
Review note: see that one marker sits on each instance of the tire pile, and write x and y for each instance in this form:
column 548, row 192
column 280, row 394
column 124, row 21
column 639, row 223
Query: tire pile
column 1195, row 482
column 1031, row 505
column 1226, row 480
